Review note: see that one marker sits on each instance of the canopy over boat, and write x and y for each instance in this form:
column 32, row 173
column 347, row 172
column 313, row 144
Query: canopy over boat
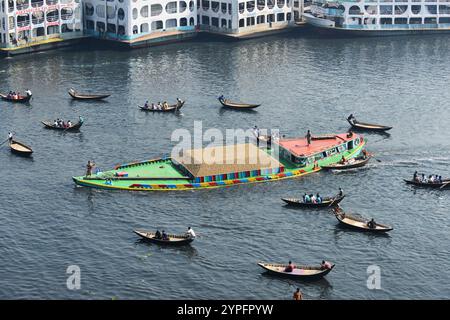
column 326, row 202
column 174, row 240
column 171, row 108
column 366, row 126
column 236, row 105
column 22, row 99
column 81, row 96
column 358, row 223
column 20, row 148
column 432, row 185
column 302, row 272
column 74, row 127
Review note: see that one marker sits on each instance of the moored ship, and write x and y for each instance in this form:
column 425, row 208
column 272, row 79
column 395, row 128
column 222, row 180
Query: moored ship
column 379, row 18
column 244, row 163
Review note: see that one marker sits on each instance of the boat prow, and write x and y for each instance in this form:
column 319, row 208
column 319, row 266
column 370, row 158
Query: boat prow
column 20, row 148
column 299, row 272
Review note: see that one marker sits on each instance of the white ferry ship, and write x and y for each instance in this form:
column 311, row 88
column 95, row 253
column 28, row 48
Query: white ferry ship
column 379, row 17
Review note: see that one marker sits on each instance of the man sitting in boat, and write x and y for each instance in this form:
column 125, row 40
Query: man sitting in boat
column 325, row 265
column 146, row 104
column 290, row 267
column 371, row 224
column 318, row 198
column 158, row 235
column 351, row 118
column 341, row 192
column 159, row 105
column 222, row 97
column 69, row 124
column 164, row 235
column 165, row 105
column 343, row 161
column 416, row 177
column 306, row 198
column 313, row 198
column 190, row 233
column 179, row 102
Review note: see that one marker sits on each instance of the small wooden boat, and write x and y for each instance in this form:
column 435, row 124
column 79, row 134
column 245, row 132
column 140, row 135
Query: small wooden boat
column 349, row 164
column 444, row 185
column 366, row 126
column 171, row 108
column 235, row 105
column 174, row 240
column 20, row 148
column 358, row 223
column 20, row 99
column 80, row 96
column 326, row 202
column 300, row 272
column 73, row 127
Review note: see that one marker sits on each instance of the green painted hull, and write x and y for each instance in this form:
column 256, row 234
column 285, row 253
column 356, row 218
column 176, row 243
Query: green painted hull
column 163, row 175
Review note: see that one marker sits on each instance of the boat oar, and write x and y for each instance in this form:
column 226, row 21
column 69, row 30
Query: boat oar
column 4, row 142
column 444, row 185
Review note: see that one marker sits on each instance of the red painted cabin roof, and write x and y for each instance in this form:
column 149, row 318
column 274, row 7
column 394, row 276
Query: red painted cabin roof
column 299, row 146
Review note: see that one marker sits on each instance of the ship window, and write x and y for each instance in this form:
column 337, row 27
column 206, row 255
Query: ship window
column 223, row 23
column 430, row 21
column 354, row 10
column 183, row 22
column 215, row 22
column 416, row 9
column 415, row 20
column 280, row 17
column 385, row 9
column 444, row 20
column 386, row 21
column 401, row 21
column 357, row 142
column 241, row 23
column 350, row 145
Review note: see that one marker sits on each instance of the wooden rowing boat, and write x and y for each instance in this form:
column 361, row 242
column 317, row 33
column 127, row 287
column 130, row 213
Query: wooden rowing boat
column 80, row 96
column 357, row 223
column 349, row 164
column 300, row 272
column 366, row 126
column 171, row 108
column 326, row 202
column 20, row 148
column 444, row 185
column 235, row 105
column 174, row 240
column 21, row 99
column 74, row 127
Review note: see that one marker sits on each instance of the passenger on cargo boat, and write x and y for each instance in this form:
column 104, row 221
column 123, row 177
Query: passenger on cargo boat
column 290, row 267
column 308, row 137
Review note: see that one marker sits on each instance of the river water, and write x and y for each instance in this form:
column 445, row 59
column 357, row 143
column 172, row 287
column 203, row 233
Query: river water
column 303, row 82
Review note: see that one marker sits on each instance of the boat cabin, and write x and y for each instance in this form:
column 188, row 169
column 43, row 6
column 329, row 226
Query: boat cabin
column 298, row 152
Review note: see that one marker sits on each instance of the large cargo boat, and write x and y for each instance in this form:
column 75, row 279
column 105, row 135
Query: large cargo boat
column 379, row 18
column 223, row 166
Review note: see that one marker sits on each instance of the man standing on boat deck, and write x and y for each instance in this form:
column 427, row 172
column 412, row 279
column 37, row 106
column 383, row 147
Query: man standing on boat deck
column 28, row 92
column 90, row 165
column 190, row 233
column 10, row 137
column 308, row 137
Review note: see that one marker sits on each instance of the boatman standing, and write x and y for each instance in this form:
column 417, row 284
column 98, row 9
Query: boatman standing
column 308, row 137
column 190, row 233
column 90, row 165
column 28, row 92
column 10, row 137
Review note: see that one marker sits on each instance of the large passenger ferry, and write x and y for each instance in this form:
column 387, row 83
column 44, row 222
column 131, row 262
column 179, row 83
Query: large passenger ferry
column 379, row 17
column 222, row 166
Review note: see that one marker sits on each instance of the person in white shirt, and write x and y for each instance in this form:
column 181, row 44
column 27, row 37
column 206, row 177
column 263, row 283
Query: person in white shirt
column 28, row 92
column 190, row 233
column 69, row 124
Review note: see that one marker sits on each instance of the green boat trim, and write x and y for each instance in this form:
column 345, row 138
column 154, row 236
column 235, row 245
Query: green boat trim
column 166, row 174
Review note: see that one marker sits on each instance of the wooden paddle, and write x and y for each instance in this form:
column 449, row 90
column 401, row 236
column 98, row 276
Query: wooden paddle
column 4, row 142
column 444, row 185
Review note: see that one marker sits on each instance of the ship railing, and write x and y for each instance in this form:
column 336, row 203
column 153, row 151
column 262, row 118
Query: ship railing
column 66, row 16
column 23, row 23
column 52, row 18
column 22, row 6
column 37, row 21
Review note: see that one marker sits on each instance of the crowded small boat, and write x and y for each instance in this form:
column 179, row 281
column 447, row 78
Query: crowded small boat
column 315, row 201
column 431, row 181
column 161, row 237
column 352, row 163
column 164, row 106
column 16, row 96
column 61, row 124
column 292, row 270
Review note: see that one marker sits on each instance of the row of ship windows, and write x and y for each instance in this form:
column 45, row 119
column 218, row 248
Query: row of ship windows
column 261, row 5
column 39, row 17
column 399, row 9
column 251, row 21
column 100, row 26
column 25, row 4
column 387, row 21
column 24, row 36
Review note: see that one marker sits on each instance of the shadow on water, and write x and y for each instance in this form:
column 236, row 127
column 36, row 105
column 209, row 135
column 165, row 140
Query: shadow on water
column 188, row 249
column 224, row 110
column 341, row 229
column 321, row 282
